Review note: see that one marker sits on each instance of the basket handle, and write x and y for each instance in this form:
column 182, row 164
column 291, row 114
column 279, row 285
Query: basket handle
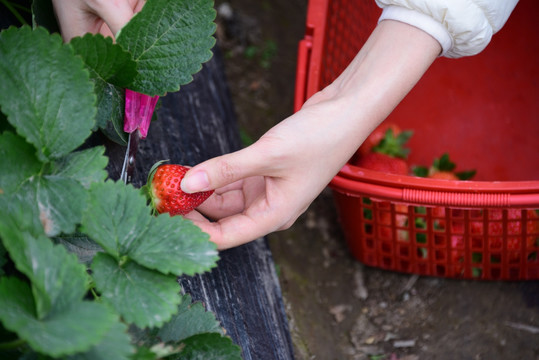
column 456, row 198
column 302, row 71
column 435, row 198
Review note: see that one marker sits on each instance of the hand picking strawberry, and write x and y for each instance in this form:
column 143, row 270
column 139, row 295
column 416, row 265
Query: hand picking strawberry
column 165, row 194
column 389, row 155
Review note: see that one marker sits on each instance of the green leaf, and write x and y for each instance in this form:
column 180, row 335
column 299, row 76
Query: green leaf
column 57, row 277
column 209, row 347
column 112, row 69
column 169, row 41
column 86, row 166
column 185, row 336
column 61, row 202
column 141, row 296
column 116, row 344
column 143, row 353
column 76, row 328
column 174, row 245
column 116, row 216
column 60, row 196
column 80, row 245
column 191, row 319
column 119, row 219
column 3, row 258
column 47, row 94
column 58, row 202
column 107, row 62
column 110, row 113
column 19, row 213
column 17, row 161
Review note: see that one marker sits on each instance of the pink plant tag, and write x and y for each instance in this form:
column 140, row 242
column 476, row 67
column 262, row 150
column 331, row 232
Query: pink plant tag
column 138, row 112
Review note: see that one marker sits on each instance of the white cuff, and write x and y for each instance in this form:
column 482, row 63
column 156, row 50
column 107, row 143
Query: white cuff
column 420, row 21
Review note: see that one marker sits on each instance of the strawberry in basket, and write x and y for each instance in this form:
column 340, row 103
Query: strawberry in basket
column 387, row 155
column 384, row 151
column 514, row 229
column 443, row 168
column 375, row 137
column 495, row 228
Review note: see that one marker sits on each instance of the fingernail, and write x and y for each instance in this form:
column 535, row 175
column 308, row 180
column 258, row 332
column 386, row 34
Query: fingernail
column 195, row 182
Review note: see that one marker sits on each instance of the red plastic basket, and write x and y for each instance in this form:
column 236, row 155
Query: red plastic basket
column 483, row 110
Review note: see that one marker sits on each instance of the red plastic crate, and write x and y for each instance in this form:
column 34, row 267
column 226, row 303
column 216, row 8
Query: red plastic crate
column 483, row 110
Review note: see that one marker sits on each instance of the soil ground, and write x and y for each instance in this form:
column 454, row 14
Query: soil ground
column 337, row 307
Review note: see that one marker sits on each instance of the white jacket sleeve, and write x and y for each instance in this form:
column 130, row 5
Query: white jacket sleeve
column 462, row 27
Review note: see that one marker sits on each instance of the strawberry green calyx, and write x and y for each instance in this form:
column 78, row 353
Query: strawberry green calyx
column 440, row 165
column 147, row 189
column 164, row 190
column 421, row 171
column 443, row 163
column 394, row 145
column 465, row 175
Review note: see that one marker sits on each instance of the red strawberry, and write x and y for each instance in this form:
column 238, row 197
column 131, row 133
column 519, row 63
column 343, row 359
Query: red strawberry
column 438, row 215
column 457, row 256
column 375, row 137
column 165, row 193
column 443, row 168
column 514, row 231
column 495, row 237
column 389, row 155
column 385, row 221
column 384, row 163
column 444, row 175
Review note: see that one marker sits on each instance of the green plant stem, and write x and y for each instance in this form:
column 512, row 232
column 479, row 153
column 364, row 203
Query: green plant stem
column 12, row 8
column 12, row 344
column 96, row 297
column 20, row 7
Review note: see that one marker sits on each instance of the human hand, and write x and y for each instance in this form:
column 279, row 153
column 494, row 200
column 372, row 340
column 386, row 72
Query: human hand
column 267, row 186
column 107, row 17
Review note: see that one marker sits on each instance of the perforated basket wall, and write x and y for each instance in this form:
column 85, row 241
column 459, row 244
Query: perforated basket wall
column 483, row 111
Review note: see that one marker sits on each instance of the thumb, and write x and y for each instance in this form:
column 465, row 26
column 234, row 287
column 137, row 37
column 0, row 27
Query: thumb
column 224, row 170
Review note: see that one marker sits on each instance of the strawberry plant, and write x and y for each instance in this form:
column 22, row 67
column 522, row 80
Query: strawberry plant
column 86, row 270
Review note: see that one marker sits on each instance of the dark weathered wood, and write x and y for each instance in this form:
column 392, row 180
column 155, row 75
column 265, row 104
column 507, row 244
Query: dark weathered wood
column 195, row 124
column 244, row 293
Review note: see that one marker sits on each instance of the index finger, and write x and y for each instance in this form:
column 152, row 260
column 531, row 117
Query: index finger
column 116, row 14
column 234, row 230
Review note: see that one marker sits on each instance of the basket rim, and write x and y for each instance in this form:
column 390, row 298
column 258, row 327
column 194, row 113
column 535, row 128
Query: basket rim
column 371, row 176
column 356, row 181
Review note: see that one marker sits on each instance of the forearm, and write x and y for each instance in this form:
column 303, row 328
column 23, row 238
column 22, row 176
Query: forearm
column 266, row 186
column 391, row 62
